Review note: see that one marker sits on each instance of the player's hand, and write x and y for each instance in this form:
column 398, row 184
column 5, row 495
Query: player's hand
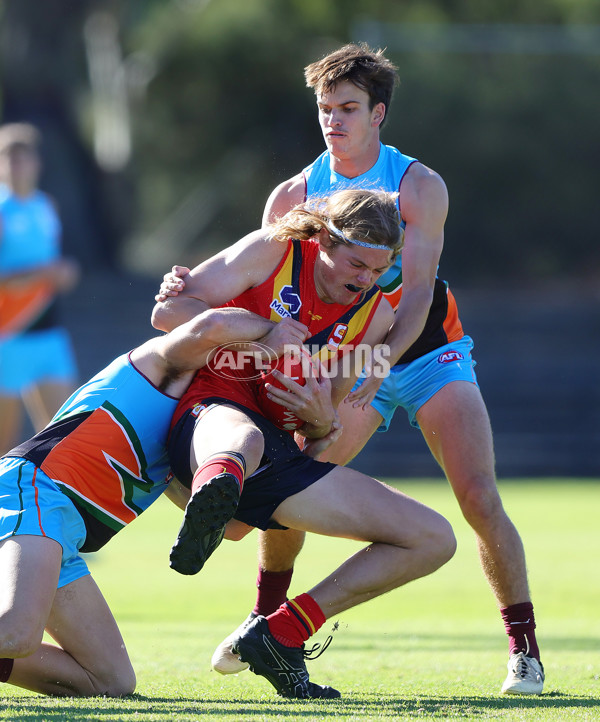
column 287, row 335
column 375, row 370
column 311, row 402
column 172, row 283
column 365, row 393
column 315, row 447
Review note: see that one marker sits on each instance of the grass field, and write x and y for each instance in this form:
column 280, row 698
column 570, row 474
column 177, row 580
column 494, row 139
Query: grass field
column 434, row 649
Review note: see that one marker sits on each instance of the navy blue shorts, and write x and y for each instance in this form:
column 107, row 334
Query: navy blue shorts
column 284, row 470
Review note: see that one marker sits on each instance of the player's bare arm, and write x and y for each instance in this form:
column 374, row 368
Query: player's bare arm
column 283, row 198
column 170, row 361
column 375, row 335
column 243, row 265
column 424, row 207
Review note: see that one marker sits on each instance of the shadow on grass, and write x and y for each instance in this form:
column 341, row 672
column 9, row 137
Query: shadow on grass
column 376, row 706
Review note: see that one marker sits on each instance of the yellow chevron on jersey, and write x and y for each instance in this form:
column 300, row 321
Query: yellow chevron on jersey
column 283, row 278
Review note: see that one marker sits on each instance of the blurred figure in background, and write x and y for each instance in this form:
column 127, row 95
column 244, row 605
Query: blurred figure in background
column 37, row 364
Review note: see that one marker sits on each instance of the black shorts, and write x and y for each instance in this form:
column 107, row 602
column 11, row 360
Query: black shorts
column 283, row 471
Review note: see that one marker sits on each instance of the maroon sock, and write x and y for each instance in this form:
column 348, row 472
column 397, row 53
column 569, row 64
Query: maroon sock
column 519, row 623
column 272, row 590
column 296, row 620
column 6, row 666
column 229, row 462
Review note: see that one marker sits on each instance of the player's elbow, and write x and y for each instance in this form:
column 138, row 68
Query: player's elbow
column 162, row 318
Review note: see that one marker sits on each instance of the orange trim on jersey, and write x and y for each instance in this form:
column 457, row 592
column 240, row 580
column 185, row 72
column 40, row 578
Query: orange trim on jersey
column 37, row 506
column 394, row 297
column 92, row 461
column 21, row 306
column 452, row 325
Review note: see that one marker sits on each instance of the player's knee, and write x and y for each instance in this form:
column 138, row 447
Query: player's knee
column 480, row 503
column 446, row 541
column 15, row 643
column 116, row 685
column 252, row 443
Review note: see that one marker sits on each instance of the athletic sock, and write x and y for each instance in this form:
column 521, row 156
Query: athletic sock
column 228, row 462
column 272, row 590
column 296, row 620
column 6, row 666
column 519, row 623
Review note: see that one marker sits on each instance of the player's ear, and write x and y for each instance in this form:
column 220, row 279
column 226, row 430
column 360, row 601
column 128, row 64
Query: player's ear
column 324, row 238
column 378, row 114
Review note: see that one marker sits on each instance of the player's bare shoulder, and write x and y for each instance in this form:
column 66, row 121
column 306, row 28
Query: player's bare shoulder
column 284, row 197
column 257, row 251
column 421, row 189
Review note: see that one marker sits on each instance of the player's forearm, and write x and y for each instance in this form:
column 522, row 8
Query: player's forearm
column 409, row 322
column 178, row 494
column 235, row 326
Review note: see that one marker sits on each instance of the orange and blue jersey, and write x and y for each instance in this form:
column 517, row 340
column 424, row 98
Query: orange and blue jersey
column 105, row 449
column 443, row 325
column 289, row 291
column 29, row 237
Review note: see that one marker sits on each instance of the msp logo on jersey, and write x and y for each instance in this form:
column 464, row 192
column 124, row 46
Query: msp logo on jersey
column 287, row 297
column 337, row 336
column 449, row 357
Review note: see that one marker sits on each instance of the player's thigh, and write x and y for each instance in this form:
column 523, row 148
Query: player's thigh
column 29, row 570
column 358, row 426
column 346, row 503
column 83, row 625
column 456, row 427
column 224, row 428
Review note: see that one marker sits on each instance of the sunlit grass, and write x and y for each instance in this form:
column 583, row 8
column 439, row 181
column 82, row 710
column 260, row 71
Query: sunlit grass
column 435, row 648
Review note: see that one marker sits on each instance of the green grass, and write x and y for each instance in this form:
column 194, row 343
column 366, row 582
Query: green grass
column 434, row 649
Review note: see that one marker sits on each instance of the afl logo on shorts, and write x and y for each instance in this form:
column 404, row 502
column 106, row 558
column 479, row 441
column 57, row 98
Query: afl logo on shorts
column 449, row 356
column 337, row 336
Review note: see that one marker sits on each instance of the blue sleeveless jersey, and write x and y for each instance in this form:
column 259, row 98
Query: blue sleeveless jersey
column 321, row 180
column 29, row 231
column 106, row 449
column 386, row 175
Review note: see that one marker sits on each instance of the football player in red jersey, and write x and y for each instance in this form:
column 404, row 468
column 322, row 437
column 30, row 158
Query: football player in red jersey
column 240, row 465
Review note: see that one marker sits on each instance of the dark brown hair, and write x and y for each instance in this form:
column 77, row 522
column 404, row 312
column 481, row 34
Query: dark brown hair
column 368, row 69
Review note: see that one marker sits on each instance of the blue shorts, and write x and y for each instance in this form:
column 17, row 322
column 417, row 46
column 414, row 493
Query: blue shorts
column 31, row 503
column 34, row 358
column 284, row 470
column 411, row 385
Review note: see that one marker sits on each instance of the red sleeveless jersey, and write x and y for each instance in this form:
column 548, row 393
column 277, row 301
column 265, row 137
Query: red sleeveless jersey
column 289, row 291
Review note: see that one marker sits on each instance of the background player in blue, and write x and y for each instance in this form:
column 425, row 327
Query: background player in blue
column 37, row 364
column 433, row 377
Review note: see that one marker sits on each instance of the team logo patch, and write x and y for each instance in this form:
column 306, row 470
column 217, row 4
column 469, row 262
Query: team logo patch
column 337, row 336
column 450, row 356
column 197, row 409
column 287, row 297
